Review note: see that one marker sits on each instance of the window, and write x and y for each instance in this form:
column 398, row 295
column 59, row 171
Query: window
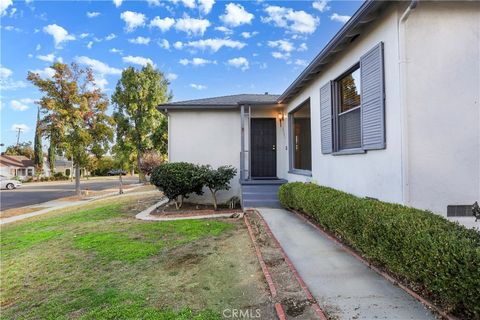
column 300, row 138
column 347, row 94
column 30, row 172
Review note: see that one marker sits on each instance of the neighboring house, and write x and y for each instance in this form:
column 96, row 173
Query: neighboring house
column 389, row 109
column 62, row 165
column 16, row 166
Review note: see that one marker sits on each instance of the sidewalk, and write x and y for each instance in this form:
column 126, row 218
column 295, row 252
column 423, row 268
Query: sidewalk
column 58, row 204
column 344, row 287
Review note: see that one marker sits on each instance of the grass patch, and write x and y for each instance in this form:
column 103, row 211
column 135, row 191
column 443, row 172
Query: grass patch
column 99, row 262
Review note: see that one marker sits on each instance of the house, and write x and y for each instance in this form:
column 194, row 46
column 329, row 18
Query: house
column 62, row 165
column 16, row 166
column 389, row 109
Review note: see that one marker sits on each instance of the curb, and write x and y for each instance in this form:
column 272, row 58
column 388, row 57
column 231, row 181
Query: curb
column 316, row 307
column 385, row 275
column 266, row 273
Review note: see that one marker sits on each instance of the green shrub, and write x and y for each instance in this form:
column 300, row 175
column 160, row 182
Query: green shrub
column 418, row 246
column 177, row 180
column 217, row 179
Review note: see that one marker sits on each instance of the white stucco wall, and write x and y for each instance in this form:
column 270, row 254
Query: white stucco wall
column 376, row 173
column 443, row 89
column 207, row 137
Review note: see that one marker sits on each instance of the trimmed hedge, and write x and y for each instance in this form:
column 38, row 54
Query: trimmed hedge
column 423, row 248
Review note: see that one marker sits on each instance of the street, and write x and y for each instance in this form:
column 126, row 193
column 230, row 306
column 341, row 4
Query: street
column 35, row 193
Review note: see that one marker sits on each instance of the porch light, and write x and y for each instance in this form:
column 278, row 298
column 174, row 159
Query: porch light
column 281, row 117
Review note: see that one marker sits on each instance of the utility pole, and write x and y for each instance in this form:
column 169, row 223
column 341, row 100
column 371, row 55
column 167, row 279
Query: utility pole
column 19, row 130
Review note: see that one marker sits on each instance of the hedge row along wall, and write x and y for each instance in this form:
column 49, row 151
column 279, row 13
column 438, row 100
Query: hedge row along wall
column 418, row 246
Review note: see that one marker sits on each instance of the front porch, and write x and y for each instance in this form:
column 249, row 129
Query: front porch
column 262, row 141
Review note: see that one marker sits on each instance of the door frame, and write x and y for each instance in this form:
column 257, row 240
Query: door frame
column 274, row 120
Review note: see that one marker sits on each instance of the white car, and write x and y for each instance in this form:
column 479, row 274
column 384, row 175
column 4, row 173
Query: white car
column 9, row 184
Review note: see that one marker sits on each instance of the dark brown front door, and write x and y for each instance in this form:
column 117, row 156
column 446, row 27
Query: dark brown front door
column 263, row 143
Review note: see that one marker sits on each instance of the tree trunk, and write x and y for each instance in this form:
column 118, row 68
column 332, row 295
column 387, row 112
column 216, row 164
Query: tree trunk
column 121, row 184
column 214, row 197
column 141, row 176
column 78, row 192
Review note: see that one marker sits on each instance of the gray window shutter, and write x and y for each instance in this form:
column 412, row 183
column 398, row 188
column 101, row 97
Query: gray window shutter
column 326, row 118
column 373, row 99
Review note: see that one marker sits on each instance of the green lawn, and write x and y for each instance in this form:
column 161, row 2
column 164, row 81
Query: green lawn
column 102, row 263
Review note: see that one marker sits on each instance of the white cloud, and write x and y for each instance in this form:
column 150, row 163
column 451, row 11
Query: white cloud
column 99, row 67
column 5, row 73
column 197, row 62
column 187, row 3
column 12, row 28
column 303, row 47
column 178, row 45
column 205, row 6
column 93, row 14
column 59, row 34
column 47, row 58
column 140, row 40
column 117, row 3
column 27, row 100
column 18, row 106
column 6, row 83
column 133, row 20
column 4, row 4
column 115, row 50
column 163, row 43
column 111, row 36
column 280, row 55
column 84, row 35
column 321, row 5
column 153, row 3
column 171, row 76
column 283, row 45
column 236, row 15
column 339, row 18
column 293, row 21
column 163, row 24
column 248, row 35
column 224, row 29
column 38, row 47
column 44, row 73
column 240, row 62
column 214, row 44
column 23, row 127
column 198, row 86
column 90, row 44
column 192, row 26
column 138, row 60
column 301, row 62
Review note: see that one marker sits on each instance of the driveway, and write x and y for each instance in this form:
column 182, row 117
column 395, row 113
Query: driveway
column 35, row 193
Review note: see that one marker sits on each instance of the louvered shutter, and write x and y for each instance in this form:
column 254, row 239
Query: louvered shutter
column 373, row 99
column 326, row 118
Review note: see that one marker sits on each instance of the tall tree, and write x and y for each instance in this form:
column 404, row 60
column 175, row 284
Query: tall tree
column 139, row 123
column 78, row 107
column 37, row 147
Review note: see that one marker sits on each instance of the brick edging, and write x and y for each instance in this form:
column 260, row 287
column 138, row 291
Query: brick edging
column 385, row 275
column 266, row 273
column 316, row 307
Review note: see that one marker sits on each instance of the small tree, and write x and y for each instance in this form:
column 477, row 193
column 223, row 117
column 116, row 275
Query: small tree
column 216, row 180
column 177, row 180
column 149, row 161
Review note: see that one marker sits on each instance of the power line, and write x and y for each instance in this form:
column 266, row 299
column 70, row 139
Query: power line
column 19, row 130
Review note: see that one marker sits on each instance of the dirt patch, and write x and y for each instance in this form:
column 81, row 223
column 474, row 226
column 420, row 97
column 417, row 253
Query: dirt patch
column 192, row 210
column 290, row 294
column 18, row 211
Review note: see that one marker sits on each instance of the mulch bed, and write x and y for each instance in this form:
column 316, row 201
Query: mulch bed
column 192, row 210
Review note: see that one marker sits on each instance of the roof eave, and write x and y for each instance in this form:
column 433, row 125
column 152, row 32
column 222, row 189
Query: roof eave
column 310, row 71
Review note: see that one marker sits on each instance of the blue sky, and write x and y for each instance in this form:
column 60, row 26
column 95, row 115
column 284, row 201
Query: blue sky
column 205, row 47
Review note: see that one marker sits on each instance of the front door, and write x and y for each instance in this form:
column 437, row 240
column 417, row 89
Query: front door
column 263, row 142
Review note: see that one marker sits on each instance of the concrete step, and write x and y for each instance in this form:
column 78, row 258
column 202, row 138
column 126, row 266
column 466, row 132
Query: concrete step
column 258, row 188
column 259, row 196
column 261, row 204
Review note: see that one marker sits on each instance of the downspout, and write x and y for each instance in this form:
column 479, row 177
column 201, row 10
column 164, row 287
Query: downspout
column 169, row 134
column 402, row 63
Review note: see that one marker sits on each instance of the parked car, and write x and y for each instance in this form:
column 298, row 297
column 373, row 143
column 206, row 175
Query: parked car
column 10, row 184
column 117, row 172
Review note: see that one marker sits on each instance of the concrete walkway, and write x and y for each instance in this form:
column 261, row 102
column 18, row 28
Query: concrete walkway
column 343, row 286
